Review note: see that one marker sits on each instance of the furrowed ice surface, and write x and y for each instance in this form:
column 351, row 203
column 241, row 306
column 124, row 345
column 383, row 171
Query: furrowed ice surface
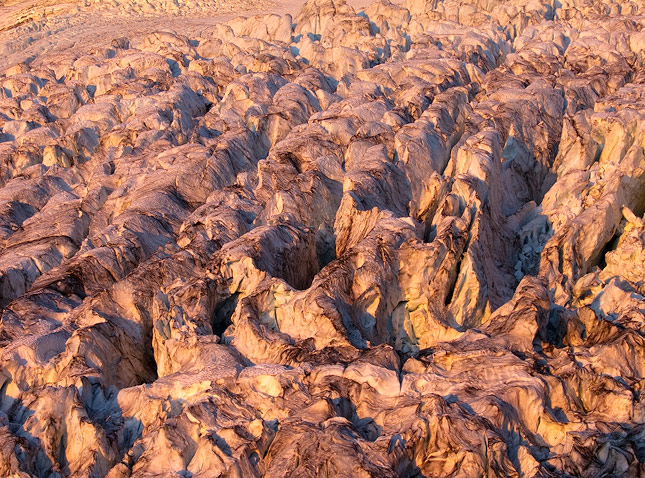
column 404, row 240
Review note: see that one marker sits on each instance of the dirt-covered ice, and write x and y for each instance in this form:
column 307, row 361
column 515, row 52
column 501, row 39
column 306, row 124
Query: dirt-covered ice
column 322, row 239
